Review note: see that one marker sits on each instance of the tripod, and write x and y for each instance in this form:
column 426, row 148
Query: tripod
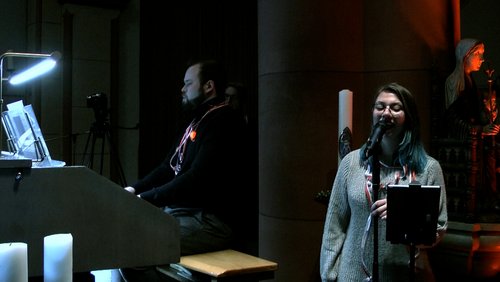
column 100, row 129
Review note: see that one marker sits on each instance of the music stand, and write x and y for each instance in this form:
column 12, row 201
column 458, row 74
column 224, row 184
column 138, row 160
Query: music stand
column 412, row 214
column 25, row 138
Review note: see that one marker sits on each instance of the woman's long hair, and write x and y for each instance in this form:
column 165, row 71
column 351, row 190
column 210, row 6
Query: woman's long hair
column 411, row 152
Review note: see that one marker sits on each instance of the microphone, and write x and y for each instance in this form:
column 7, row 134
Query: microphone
column 378, row 131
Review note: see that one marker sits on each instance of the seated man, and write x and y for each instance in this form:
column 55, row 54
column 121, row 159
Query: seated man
column 198, row 181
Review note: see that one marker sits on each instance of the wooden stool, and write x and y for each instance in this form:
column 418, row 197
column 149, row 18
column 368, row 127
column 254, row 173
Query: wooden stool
column 226, row 265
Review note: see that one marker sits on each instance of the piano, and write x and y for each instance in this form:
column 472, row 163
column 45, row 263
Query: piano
column 111, row 227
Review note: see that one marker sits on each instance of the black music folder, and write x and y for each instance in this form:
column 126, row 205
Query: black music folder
column 412, row 213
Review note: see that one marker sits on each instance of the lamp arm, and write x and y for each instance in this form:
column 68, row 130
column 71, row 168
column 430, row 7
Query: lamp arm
column 55, row 55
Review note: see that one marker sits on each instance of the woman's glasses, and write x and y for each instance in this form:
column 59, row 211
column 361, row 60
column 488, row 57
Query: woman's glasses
column 394, row 107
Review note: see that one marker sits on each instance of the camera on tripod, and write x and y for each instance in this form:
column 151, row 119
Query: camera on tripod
column 99, row 103
column 100, row 129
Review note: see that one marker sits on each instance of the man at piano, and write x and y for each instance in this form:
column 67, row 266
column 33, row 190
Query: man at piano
column 199, row 179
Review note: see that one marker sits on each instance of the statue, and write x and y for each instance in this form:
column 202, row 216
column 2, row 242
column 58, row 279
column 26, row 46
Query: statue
column 470, row 113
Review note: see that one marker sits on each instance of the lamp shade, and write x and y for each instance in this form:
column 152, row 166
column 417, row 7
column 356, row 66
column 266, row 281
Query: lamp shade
column 36, row 70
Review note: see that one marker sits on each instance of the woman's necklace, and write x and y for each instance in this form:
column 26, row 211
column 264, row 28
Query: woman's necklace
column 396, row 178
column 388, row 166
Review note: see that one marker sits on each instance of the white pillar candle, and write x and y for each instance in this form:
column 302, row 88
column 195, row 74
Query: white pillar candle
column 345, row 114
column 14, row 262
column 58, row 258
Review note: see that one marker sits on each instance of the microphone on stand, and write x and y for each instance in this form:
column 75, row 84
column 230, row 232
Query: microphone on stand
column 377, row 133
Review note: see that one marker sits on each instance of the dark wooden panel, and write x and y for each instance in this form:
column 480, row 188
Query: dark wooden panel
column 111, row 228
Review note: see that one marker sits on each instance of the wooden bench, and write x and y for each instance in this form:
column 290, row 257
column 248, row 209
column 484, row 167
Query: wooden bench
column 226, row 265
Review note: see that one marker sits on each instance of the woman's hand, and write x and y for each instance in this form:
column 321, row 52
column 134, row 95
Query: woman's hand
column 379, row 208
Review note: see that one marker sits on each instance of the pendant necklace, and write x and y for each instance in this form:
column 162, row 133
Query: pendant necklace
column 190, row 133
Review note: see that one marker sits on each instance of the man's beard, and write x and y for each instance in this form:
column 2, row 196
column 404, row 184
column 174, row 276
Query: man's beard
column 189, row 106
column 186, row 105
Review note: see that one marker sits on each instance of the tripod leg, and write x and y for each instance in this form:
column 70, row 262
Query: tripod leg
column 92, row 147
column 102, row 131
column 86, row 147
column 102, row 153
column 115, row 158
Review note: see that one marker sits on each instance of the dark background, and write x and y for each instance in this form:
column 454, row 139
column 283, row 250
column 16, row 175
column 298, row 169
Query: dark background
column 223, row 30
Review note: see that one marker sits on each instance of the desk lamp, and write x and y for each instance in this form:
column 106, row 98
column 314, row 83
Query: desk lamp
column 48, row 63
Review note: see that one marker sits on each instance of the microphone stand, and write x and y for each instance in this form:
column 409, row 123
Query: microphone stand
column 372, row 150
column 375, row 190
